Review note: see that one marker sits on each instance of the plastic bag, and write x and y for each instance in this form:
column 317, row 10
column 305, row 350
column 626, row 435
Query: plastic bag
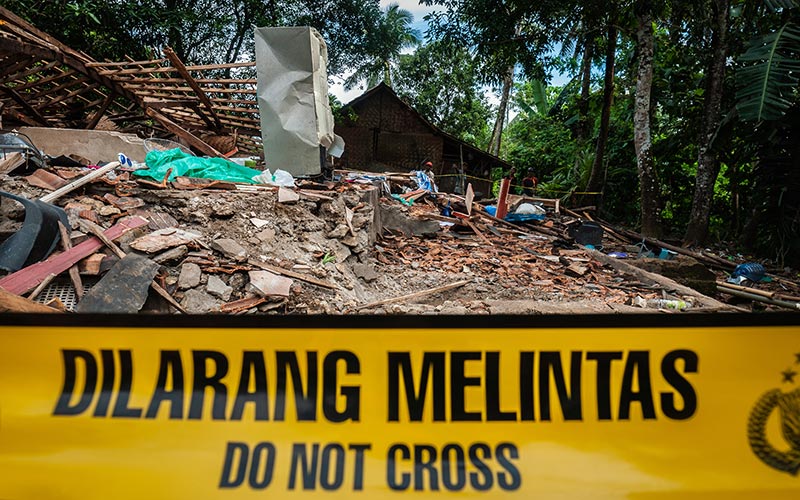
column 279, row 178
column 530, row 209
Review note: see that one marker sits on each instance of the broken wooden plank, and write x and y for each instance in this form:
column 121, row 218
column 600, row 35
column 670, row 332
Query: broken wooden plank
column 26, row 279
column 184, row 134
column 178, row 64
column 10, row 162
column 756, row 291
column 36, row 291
column 478, row 232
column 242, row 305
column 74, row 273
column 795, row 306
column 49, row 198
column 292, row 274
column 10, row 303
column 123, row 289
column 415, row 295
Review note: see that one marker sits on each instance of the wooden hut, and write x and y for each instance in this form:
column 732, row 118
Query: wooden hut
column 383, row 133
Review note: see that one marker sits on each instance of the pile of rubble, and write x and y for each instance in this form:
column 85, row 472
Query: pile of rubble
column 360, row 243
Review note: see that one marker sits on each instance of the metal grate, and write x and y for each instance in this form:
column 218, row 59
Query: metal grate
column 65, row 292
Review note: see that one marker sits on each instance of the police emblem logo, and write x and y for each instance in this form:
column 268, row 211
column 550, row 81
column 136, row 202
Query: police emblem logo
column 787, row 404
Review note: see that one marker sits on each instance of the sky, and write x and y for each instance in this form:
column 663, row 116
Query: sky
column 419, row 12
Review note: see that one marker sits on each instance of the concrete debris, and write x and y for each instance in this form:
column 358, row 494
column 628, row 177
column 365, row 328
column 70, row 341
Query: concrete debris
column 268, row 284
column 341, row 247
column 218, row 288
column 172, row 255
column 286, row 195
column 199, row 302
column 230, row 248
column 190, row 276
column 163, row 239
column 259, row 223
column 365, row 272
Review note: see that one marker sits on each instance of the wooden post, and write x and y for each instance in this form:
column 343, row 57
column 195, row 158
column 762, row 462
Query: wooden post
column 502, row 198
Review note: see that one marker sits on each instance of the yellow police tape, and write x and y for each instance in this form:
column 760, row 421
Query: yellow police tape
column 132, row 413
column 482, row 179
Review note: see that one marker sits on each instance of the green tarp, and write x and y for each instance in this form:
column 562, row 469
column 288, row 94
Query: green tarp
column 186, row 165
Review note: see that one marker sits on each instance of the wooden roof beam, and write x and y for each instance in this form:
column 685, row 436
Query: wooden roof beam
column 209, row 108
column 27, row 107
column 183, row 133
column 49, row 79
column 30, row 71
column 50, row 92
column 92, row 123
column 23, row 61
column 68, row 97
column 169, row 69
column 123, row 63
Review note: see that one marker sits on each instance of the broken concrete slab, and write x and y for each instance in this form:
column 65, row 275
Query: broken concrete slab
column 286, row 195
column 123, row 289
column 190, row 276
column 163, row 239
column 95, row 145
column 199, row 302
column 218, row 288
column 230, row 248
column 173, row 254
column 393, row 217
column 267, row 283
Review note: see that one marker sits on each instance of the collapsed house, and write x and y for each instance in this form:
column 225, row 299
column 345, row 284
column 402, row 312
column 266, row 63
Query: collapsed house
column 98, row 236
column 383, row 133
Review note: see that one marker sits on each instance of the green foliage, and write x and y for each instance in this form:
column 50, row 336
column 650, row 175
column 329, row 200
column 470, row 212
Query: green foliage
column 391, row 34
column 769, row 76
column 200, row 31
column 440, row 81
column 541, row 143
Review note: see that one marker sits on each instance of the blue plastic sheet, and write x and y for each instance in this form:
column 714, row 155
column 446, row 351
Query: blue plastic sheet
column 492, row 210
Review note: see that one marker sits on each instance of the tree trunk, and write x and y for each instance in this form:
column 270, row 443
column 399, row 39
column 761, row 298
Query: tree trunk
column 497, row 132
column 387, row 73
column 707, row 161
column 582, row 131
column 596, row 176
column 648, row 182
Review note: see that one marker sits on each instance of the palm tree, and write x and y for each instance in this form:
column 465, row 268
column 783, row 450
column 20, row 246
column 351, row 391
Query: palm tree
column 392, row 34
